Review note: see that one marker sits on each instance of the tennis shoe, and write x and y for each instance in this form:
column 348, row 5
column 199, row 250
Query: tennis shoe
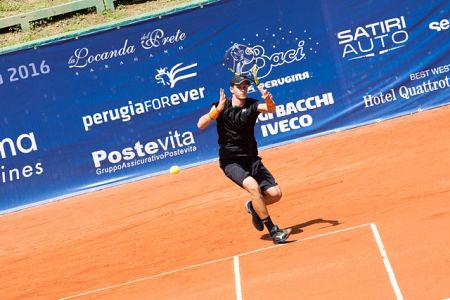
column 278, row 235
column 257, row 223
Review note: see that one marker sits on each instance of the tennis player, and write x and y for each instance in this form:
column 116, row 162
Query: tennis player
column 238, row 153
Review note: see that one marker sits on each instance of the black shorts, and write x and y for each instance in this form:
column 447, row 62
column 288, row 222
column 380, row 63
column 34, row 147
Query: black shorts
column 237, row 169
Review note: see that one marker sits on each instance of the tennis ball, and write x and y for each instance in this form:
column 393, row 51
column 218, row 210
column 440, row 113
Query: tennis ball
column 174, row 169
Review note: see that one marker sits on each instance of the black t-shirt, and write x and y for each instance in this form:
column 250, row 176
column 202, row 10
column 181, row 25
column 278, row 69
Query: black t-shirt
column 235, row 127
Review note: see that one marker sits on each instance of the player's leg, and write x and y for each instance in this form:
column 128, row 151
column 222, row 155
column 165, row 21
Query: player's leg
column 261, row 180
column 271, row 194
column 259, row 207
column 239, row 172
column 257, row 200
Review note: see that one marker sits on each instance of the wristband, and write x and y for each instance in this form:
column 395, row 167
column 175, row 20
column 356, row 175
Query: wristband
column 270, row 103
column 214, row 114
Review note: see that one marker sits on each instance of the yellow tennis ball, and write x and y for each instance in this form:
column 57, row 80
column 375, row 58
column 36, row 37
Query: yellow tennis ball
column 174, row 169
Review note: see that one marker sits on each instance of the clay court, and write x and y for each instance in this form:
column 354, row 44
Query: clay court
column 368, row 208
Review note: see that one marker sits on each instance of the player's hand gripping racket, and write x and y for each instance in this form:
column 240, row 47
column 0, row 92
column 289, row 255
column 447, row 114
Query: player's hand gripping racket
column 241, row 60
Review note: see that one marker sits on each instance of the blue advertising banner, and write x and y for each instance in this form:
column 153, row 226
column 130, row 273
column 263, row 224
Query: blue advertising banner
column 122, row 104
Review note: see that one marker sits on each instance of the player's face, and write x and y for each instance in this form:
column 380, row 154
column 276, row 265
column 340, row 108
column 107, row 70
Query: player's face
column 240, row 91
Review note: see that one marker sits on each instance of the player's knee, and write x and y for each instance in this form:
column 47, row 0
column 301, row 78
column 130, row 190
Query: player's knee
column 254, row 191
column 252, row 186
column 277, row 196
column 274, row 194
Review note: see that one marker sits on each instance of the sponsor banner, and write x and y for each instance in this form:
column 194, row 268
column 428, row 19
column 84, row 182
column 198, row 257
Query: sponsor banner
column 122, row 104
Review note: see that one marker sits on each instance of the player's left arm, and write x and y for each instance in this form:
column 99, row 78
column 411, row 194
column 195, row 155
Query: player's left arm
column 213, row 113
column 269, row 104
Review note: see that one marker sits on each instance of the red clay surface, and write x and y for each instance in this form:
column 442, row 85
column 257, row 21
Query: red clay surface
column 175, row 236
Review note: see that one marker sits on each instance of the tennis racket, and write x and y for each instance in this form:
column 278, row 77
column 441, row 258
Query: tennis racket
column 241, row 60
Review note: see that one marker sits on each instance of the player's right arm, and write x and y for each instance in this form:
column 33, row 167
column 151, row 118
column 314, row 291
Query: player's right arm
column 213, row 113
column 269, row 105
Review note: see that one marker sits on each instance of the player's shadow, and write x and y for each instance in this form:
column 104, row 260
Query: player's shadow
column 296, row 229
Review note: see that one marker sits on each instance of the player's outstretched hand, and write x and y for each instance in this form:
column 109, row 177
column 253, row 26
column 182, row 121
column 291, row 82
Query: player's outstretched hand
column 265, row 94
column 222, row 100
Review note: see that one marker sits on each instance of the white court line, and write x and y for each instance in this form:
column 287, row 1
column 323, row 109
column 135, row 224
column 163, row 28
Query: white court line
column 237, row 278
column 146, row 278
column 387, row 264
column 216, row 261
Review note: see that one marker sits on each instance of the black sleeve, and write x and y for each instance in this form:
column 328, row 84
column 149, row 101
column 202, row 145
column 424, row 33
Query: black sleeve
column 254, row 106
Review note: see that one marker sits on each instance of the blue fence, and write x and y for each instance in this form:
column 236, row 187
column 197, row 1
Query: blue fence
column 121, row 104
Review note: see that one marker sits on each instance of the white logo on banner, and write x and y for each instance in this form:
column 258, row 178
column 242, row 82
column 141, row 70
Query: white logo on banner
column 158, row 37
column 25, row 143
column 82, row 56
column 296, row 113
column 171, row 77
column 9, row 147
column 242, row 60
column 173, row 144
column 266, row 61
column 443, row 24
column 372, row 39
column 277, row 47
